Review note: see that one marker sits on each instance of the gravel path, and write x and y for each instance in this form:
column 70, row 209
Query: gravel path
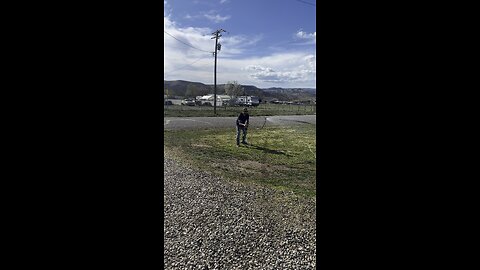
column 211, row 223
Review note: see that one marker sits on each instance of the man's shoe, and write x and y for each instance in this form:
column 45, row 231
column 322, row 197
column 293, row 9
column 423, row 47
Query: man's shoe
column 244, row 142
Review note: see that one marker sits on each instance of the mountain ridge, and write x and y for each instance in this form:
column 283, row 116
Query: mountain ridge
column 190, row 89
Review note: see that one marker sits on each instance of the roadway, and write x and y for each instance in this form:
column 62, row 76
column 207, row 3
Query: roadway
column 177, row 123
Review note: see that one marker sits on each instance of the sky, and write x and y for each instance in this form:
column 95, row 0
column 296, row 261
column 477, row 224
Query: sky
column 267, row 43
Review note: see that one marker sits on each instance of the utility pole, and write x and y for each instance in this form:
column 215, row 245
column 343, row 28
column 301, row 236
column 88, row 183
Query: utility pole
column 244, row 97
column 217, row 47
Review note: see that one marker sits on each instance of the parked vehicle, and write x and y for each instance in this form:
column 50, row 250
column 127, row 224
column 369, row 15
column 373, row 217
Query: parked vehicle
column 207, row 100
column 247, row 101
column 168, row 102
column 188, row 102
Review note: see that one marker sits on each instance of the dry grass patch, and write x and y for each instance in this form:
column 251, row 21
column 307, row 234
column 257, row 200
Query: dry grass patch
column 279, row 158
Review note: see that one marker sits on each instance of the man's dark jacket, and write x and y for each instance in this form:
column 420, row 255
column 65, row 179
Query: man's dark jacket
column 242, row 118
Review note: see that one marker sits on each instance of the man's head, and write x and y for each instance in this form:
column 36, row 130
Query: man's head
column 245, row 110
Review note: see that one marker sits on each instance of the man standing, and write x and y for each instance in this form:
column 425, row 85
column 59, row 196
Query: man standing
column 242, row 125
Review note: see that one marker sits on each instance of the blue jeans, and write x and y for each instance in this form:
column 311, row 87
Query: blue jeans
column 244, row 137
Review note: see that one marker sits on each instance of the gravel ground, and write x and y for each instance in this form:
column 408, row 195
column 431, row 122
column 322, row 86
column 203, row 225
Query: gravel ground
column 211, row 223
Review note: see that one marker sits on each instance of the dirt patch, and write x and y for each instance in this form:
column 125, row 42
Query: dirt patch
column 255, row 165
column 201, row 145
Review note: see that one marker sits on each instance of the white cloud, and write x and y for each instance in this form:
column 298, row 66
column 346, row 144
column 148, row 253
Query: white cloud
column 258, row 68
column 237, row 45
column 210, row 15
column 296, row 71
column 282, row 69
column 224, row 1
column 216, row 17
column 167, row 10
column 310, row 38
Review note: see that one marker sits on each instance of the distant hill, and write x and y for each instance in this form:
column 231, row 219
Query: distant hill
column 191, row 89
column 290, row 90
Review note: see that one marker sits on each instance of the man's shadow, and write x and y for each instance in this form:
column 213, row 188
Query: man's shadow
column 270, row 151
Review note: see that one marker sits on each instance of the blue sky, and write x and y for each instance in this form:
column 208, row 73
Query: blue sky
column 267, row 44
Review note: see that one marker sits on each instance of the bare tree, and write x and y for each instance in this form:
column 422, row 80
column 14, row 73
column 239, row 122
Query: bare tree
column 233, row 89
column 192, row 91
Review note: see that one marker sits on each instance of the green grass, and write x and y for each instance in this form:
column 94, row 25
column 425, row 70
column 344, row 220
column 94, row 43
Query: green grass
column 280, row 158
column 261, row 110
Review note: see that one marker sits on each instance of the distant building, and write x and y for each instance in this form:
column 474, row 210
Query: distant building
column 247, row 101
column 222, row 100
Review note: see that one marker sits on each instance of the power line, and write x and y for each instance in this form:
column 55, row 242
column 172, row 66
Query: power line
column 184, row 42
column 202, row 58
column 307, row 3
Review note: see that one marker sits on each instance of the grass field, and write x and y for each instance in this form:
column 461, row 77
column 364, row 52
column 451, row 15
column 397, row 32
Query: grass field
column 261, row 110
column 280, row 158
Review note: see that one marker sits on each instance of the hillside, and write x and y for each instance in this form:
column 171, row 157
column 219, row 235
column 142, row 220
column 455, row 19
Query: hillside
column 192, row 89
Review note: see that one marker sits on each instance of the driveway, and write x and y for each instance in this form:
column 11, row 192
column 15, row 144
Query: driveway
column 212, row 223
